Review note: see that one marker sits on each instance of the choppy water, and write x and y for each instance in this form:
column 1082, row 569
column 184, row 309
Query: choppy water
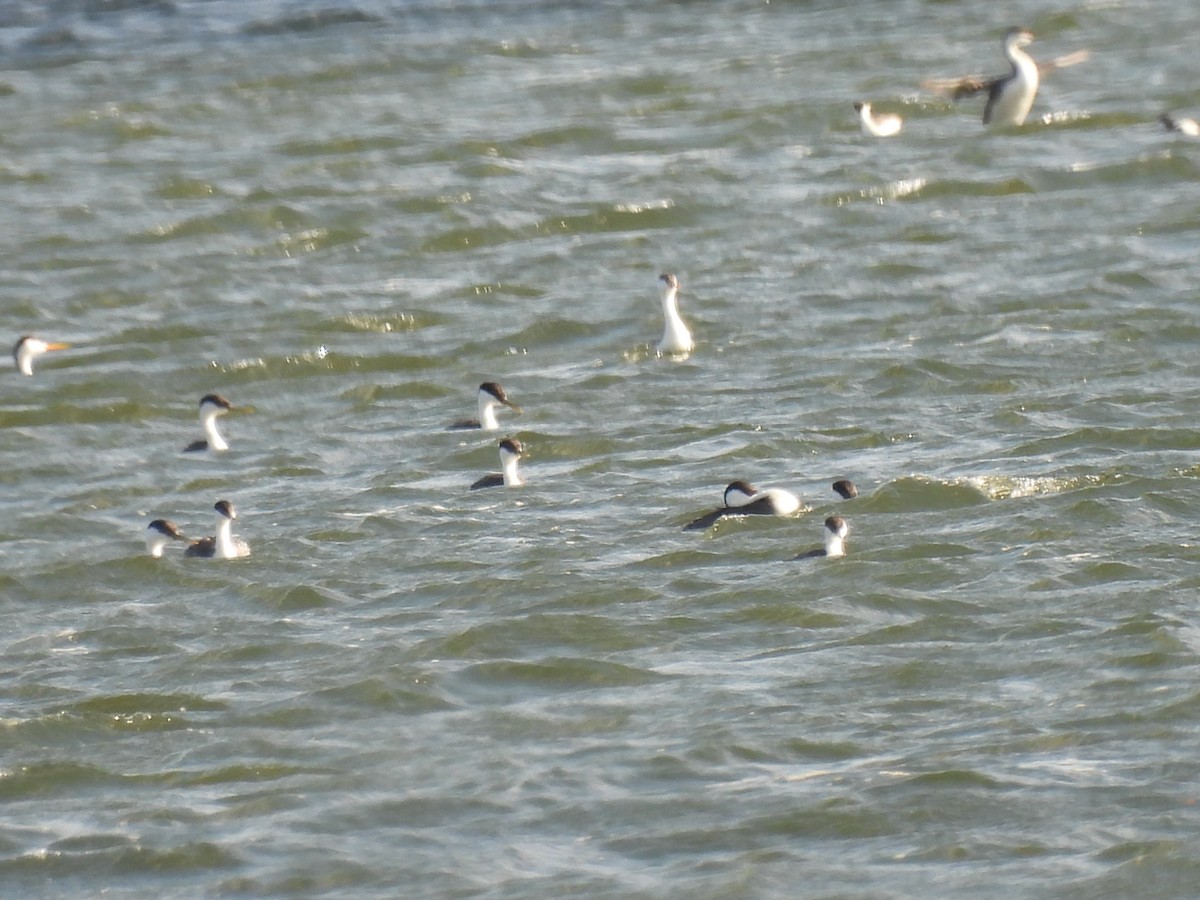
column 345, row 216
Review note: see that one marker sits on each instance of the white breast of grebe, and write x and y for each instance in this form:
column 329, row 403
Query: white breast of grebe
column 877, row 124
column 1189, row 127
column 1011, row 98
column 29, row 348
column 676, row 336
column 740, row 494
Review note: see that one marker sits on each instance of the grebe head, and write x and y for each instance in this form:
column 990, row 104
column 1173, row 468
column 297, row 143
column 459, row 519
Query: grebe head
column 225, row 509
column 510, row 448
column 214, row 404
column 859, row 106
column 159, row 533
column 493, row 392
column 739, row 493
column 1017, row 37
column 669, row 282
column 845, row 489
column 28, row 348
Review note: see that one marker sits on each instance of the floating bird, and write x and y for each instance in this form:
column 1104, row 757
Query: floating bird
column 510, row 452
column 159, row 533
column 222, row 545
column 1190, row 127
column 211, row 406
column 743, row 499
column 491, row 397
column 676, row 337
column 29, row 348
column 877, row 124
column 845, row 489
column 836, row 531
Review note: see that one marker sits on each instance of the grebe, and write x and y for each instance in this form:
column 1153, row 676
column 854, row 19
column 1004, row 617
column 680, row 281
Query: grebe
column 510, row 452
column 1190, row 127
column 29, row 348
column 1010, row 96
column 676, row 337
column 877, row 124
column 159, row 533
column 845, row 489
column 211, row 406
column 491, row 397
column 743, row 499
column 836, row 531
column 222, row 545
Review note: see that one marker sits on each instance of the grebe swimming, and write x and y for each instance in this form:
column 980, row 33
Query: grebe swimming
column 491, row 397
column 1189, row 127
column 159, row 533
column 744, row 499
column 29, row 348
column 211, row 406
column 836, row 531
column 877, row 124
column 510, row 452
column 845, row 489
column 676, row 337
column 222, row 545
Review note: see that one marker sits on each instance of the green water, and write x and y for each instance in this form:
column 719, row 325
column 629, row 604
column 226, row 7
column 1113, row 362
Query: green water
column 345, row 217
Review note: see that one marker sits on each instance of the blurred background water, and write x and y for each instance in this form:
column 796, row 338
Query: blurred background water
column 344, row 216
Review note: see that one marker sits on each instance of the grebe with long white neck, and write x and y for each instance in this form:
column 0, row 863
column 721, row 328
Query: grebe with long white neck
column 510, row 453
column 676, row 337
column 29, row 348
column 1010, row 96
column 222, row 545
column 877, row 124
column 211, row 406
column 159, row 534
column 836, row 531
column 1189, row 127
column 491, row 397
column 744, row 499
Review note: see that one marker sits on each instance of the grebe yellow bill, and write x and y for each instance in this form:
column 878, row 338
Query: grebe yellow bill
column 211, row 406
column 159, row 534
column 1189, row 127
column 491, row 397
column 222, row 545
column 510, row 453
column 29, row 348
column 676, row 337
column 877, row 124
column 836, row 531
column 744, row 499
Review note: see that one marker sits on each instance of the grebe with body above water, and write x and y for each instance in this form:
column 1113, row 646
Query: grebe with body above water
column 211, row 406
column 510, row 453
column 222, row 545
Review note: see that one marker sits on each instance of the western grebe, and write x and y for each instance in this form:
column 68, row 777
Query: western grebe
column 1190, row 127
column 836, row 531
column 1010, row 96
column 29, row 348
column 845, row 489
column 211, row 406
column 510, row 452
column 222, row 545
column 491, row 397
column 877, row 124
column 159, row 533
column 743, row 499
column 676, row 337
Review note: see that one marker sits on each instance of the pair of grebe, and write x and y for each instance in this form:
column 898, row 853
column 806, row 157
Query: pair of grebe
column 222, row 545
